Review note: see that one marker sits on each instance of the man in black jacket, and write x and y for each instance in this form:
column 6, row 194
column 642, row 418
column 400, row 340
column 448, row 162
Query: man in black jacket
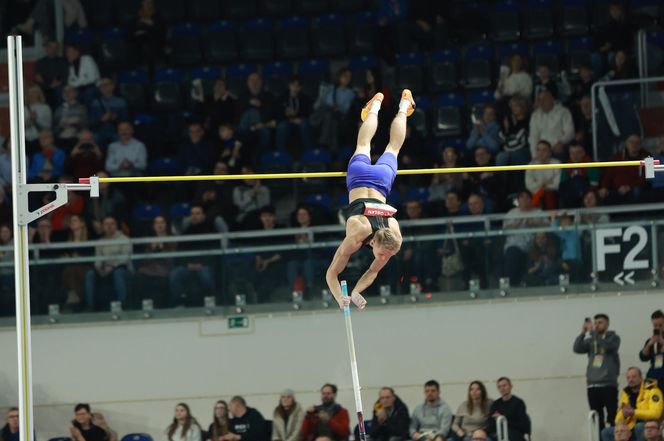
column 653, row 349
column 247, row 423
column 511, row 407
column 391, row 418
column 295, row 110
column 10, row 431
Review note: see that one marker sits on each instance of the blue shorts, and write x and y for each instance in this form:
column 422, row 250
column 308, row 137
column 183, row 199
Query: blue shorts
column 379, row 176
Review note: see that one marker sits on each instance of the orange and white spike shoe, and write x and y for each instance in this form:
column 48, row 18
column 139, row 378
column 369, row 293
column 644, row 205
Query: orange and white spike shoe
column 408, row 96
column 365, row 110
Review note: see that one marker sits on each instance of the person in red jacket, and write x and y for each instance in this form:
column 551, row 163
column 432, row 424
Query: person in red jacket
column 624, row 185
column 328, row 419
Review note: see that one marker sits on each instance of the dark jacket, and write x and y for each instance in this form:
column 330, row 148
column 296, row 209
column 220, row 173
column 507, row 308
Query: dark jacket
column 6, row 435
column 518, row 421
column 396, row 424
column 656, row 373
column 251, row 426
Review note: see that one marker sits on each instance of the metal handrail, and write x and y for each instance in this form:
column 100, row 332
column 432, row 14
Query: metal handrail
column 593, row 425
column 502, row 432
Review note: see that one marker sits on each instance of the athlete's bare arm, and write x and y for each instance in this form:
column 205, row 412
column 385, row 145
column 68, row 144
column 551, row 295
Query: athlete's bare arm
column 355, row 234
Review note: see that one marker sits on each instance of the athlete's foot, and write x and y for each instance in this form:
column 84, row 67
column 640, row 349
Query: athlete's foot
column 359, row 300
column 406, row 95
column 367, row 108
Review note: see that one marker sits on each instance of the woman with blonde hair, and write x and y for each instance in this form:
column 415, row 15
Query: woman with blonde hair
column 99, row 421
column 473, row 413
column 38, row 114
column 184, row 426
column 219, row 426
column 73, row 275
column 288, row 417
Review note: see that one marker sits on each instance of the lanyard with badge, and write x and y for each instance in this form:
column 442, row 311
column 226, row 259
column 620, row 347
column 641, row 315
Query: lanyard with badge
column 598, row 354
column 659, row 357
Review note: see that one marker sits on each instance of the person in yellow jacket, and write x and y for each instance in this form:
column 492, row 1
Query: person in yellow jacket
column 639, row 402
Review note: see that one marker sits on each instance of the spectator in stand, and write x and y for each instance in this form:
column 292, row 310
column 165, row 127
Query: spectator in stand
column 257, row 113
column 373, row 84
column 622, row 433
column 47, row 164
column 148, row 33
column 197, row 155
column 52, row 72
column 200, row 267
column 5, row 207
column 38, row 116
column 42, row 17
column 651, row 431
column 184, row 426
column 544, row 264
column 111, row 202
column 431, row 420
column 10, row 432
column 220, row 425
column 640, row 401
column 152, row 275
column 514, row 80
column 473, row 414
column 251, row 196
column 99, row 420
column 479, row 435
column 624, row 185
column 73, row 274
column 294, row 109
column 332, row 116
column 328, row 419
column 474, row 251
column 229, row 148
column 247, row 423
column 414, row 154
column 86, row 158
column 485, row 183
column 452, row 204
column 70, row 118
column 545, row 81
column 74, row 207
column 82, row 428
column 416, row 256
column 551, row 122
column 584, row 84
column 511, row 407
column 303, row 263
column 575, row 182
column 106, row 111
column 543, row 184
column 287, row 418
column 653, row 349
column 83, row 72
column 591, row 200
column 616, row 35
column 391, row 419
column 621, row 68
column 485, row 133
column 6, row 164
column 441, row 183
column 514, row 135
column 517, row 245
column 216, row 198
column 570, row 244
column 269, row 266
column 583, row 122
column 603, row 369
column 656, row 192
column 220, row 108
column 114, row 266
column 127, row 156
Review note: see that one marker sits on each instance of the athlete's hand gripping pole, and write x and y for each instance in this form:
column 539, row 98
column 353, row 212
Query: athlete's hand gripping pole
column 353, row 364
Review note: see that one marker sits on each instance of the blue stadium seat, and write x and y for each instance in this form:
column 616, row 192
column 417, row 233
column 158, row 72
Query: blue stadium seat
column 115, row 52
column 167, row 90
column 316, row 156
column 276, row 158
column 278, row 162
column 82, row 38
column 204, row 10
column 257, row 42
column 579, row 53
column 319, row 199
column 419, row 119
column 311, row 7
column 447, row 115
column 315, row 160
column 443, row 71
column 60, row 438
column 220, row 43
column 328, row 36
column 394, row 198
column 311, row 73
column 171, row 11
column 361, row 33
column 240, row 9
column 275, row 8
column 292, row 38
column 506, row 21
column 236, row 77
column 574, row 18
column 539, row 19
column 185, row 44
column 643, row 10
column 508, row 49
column 410, row 71
column 358, row 65
column 478, row 66
column 146, row 211
column 345, row 154
column 136, row 437
column 547, row 52
column 276, row 76
column 418, row 194
column 132, row 85
column 179, row 210
column 164, row 167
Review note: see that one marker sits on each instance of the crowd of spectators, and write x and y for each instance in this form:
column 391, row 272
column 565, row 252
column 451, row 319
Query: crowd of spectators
column 77, row 125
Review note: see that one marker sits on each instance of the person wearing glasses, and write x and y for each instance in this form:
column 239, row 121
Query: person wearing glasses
column 651, row 431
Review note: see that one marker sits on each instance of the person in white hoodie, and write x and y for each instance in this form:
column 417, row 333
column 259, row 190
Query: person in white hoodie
column 83, row 72
column 543, row 184
column 184, row 426
column 551, row 122
column 288, row 417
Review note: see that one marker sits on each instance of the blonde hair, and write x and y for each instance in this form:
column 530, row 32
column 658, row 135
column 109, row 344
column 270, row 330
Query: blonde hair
column 387, row 239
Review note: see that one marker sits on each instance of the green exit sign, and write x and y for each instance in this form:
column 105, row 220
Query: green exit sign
column 239, row 321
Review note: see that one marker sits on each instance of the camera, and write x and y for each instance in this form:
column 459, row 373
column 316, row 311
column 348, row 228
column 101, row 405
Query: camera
column 86, row 146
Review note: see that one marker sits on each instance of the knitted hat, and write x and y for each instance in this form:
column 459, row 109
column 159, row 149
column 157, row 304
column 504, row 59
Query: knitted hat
column 288, row 393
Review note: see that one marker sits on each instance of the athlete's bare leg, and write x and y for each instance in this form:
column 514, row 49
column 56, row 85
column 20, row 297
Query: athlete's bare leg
column 398, row 127
column 369, row 125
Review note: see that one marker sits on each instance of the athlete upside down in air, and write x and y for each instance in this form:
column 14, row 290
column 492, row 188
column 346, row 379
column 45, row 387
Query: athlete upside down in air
column 369, row 220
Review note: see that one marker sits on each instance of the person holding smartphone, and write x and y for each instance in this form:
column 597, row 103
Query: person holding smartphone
column 82, row 428
column 602, row 346
column 653, row 349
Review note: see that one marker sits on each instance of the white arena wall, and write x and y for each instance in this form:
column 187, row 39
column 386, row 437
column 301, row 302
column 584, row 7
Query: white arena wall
column 135, row 372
